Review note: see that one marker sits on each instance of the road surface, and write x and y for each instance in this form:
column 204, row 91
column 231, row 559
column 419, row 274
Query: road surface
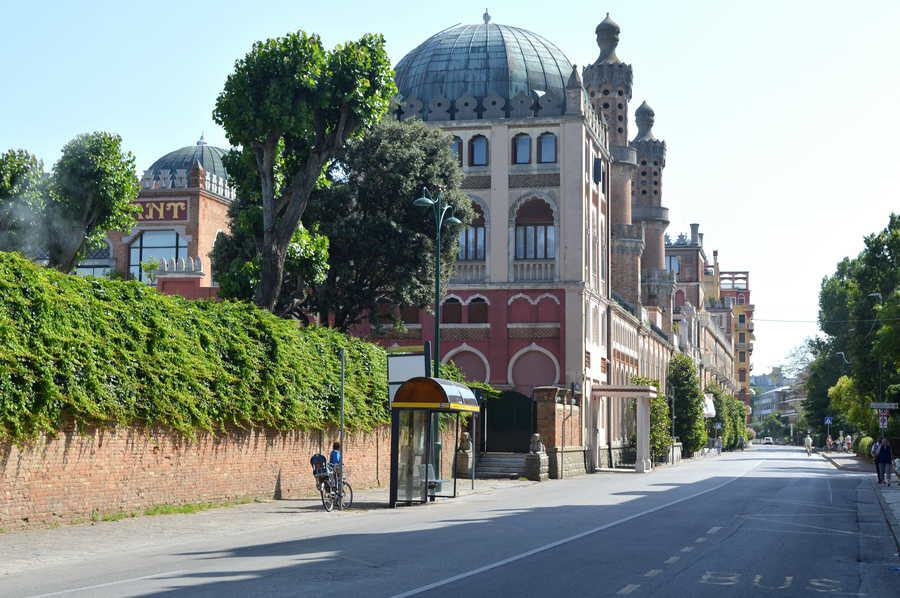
column 768, row 521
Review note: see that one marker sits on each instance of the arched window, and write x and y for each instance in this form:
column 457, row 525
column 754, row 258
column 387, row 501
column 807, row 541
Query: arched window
column 740, row 299
column 535, row 232
column 521, row 149
column 478, row 151
column 471, row 238
column 546, row 148
column 456, row 149
column 150, row 247
column 478, row 311
column 451, row 311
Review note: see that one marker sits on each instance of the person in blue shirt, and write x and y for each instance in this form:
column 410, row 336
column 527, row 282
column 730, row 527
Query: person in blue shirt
column 335, row 457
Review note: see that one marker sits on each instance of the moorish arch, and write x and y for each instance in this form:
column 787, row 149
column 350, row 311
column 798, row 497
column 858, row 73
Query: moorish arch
column 471, row 361
column 533, row 366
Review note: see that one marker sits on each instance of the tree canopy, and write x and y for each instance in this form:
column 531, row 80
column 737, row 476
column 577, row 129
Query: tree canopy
column 293, row 105
column 857, row 360
column 22, row 196
column 382, row 247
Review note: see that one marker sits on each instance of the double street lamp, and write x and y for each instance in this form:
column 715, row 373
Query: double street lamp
column 443, row 212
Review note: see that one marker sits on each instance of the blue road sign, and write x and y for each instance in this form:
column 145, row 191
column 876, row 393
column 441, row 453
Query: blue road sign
column 828, row 421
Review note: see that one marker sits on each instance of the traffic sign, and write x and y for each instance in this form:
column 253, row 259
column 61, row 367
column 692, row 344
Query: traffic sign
column 883, row 405
column 882, row 422
column 828, row 421
column 718, row 425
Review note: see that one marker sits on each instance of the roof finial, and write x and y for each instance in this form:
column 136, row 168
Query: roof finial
column 486, row 16
column 607, row 38
column 644, row 116
column 202, row 140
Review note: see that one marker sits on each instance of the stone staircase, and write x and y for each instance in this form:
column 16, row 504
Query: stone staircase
column 501, row 465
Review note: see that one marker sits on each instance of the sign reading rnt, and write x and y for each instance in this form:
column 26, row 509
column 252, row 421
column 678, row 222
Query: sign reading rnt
column 163, row 210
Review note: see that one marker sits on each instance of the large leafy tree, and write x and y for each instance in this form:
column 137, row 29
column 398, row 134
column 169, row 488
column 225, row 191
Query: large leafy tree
column 22, row 196
column 92, row 189
column 684, row 388
column 857, row 361
column 293, row 105
column 237, row 255
column 382, row 247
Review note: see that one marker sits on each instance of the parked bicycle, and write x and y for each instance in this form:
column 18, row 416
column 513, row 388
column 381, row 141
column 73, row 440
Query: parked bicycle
column 327, row 477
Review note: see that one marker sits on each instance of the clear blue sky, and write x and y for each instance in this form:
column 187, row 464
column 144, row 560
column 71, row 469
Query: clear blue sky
column 780, row 117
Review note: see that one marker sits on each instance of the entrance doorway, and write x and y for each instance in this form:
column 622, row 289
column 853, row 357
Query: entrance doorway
column 510, row 423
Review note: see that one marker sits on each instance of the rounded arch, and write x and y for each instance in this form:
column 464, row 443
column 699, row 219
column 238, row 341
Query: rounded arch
column 465, row 348
column 452, row 296
column 524, row 350
column 518, row 296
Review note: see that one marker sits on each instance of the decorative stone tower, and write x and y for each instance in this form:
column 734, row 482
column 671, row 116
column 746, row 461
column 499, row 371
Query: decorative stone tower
column 657, row 285
column 608, row 82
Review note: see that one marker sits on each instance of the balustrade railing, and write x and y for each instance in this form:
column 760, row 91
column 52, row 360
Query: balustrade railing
column 466, row 272
column 534, row 270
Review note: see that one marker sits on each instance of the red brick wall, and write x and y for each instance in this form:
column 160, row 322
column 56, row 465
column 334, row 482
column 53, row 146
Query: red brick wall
column 68, row 477
column 552, row 417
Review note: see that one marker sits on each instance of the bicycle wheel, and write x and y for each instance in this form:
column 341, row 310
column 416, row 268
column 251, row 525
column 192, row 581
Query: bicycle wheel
column 347, row 498
column 327, row 498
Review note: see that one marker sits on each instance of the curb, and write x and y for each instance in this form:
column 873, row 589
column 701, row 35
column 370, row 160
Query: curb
column 838, row 466
column 893, row 522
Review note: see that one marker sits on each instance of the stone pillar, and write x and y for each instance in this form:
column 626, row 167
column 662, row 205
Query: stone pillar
column 644, row 462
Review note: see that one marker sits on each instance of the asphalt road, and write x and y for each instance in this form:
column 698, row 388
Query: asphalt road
column 768, row 521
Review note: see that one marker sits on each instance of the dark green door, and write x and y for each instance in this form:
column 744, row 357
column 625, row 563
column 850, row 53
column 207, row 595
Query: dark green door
column 510, row 423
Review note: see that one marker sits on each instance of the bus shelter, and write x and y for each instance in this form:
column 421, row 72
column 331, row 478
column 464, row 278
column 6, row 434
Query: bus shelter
column 419, row 407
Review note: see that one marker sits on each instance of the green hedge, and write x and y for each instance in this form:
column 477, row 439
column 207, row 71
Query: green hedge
column 109, row 352
column 864, row 446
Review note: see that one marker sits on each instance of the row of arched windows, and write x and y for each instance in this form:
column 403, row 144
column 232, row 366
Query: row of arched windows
column 478, row 154
column 535, row 234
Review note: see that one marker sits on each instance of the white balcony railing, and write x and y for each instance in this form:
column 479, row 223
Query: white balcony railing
column 534, row 270
column 466, row 272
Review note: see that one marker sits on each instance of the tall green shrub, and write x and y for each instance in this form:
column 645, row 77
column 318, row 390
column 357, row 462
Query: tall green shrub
column 684, row 386
column 108, row 352
column 660, row 421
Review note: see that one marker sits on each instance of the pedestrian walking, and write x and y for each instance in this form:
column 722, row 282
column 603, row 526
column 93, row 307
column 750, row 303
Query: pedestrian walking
column 718, row 445
column 873, row 452
column 807, row 443
column 829, row 443
column 883, row 462
column 848, row 441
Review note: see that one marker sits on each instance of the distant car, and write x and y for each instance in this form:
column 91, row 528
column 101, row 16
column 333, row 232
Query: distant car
column 768, row 440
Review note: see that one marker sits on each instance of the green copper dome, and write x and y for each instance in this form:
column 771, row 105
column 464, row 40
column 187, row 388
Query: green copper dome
column 483, row 60
column 209, row 157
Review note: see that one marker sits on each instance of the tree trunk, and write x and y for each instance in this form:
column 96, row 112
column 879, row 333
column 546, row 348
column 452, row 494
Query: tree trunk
column 271, row 273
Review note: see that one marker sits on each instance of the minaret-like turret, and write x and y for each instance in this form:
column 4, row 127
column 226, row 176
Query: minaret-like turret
column 608, row 83
column 657, row 285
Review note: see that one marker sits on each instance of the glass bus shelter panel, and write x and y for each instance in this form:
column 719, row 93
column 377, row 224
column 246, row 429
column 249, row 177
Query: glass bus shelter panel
column 411, row 462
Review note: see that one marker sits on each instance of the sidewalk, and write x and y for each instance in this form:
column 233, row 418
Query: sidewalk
column 21, row 550
column 888, row 496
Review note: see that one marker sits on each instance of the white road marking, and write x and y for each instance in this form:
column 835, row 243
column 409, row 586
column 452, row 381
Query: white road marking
column 652, row 572
column 628, row 589
column 828, row 481
column 672, row 559
column 108, row 584
column 551, row 545
column 827, row 529
column 700, row 540
column 713, row 530
column 687, row 549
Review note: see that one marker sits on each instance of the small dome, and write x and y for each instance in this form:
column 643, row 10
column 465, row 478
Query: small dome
column 209, row 157
column 608, row 24
column 607, row 39
column 483, row 59
column 644, row 116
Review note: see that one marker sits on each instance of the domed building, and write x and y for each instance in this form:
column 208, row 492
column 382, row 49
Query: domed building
column 534, row 301
column 184, row 201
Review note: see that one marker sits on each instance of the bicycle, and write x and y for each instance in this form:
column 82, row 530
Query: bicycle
column 327, row 483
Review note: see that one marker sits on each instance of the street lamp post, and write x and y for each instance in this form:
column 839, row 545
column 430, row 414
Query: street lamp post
column 443, row 212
